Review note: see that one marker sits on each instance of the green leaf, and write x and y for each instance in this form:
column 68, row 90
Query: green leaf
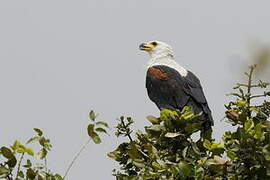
column 133, row 152
column 15, row 145
column 195, row 149
column 166, row 114
column 153, row 119
column 152, row 151
column 12, row 162
column 199, row 172
column 258, row 131
column 231, row 155
column 156, row 128
column 139, row 164
column 267, row 158
column 184, row 169
column 101, row 130
column 31, row 174
column 58, row 177
column 217, row 145
column 42, row 153
column 185, row 152
column 18, row 147
column 21, row 174
column 94, row 136
column 161, row 163
column 38, row 131
column 186, row 109
column 207, row 144
column 188, row 115
column 90, row 129
column 254, row 109
column 156, row 166
column 172, row 135
column 45, row 143
column 21, row 149
column 192, row 127
column 241, row 103
column 266, row 152
column 249, row 124
column 92, row 115
column 217, row 148
column 114, row 155
column 101, row 123
column 29, row 151
column 96, row 139
column 7, row 153
column 3, row 171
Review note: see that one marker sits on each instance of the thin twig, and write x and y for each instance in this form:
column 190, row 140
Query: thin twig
column 45, row 162
column 128, row 134
column 8, row 177
column 245, row 85
column 19, row 166
column 250, row 81
column 250, row 86
column 256, row 96
column 75, row 158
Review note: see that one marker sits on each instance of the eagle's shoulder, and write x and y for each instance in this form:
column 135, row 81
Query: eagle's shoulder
column 162, row 72
column 158, row 72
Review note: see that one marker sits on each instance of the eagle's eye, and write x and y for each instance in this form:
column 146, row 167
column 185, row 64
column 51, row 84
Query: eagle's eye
column 154, row 43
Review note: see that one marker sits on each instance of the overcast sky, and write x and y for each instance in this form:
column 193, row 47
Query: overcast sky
column 61, row 58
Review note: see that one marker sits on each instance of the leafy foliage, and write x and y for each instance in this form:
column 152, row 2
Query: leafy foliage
column 16, row 166
column 96, row 127
column 26, row 169
column 166, row 151
column 249, row 146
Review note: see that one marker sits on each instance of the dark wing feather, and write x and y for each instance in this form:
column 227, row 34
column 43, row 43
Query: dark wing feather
column 194, row 88
column 168, row 89
column 164, row 88
column 196, row 92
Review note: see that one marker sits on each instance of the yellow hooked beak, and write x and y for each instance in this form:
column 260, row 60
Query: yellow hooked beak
column 147, row 46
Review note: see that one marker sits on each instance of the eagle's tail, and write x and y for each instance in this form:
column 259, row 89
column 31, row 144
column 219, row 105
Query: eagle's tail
column 206, row 115
column 208, row 119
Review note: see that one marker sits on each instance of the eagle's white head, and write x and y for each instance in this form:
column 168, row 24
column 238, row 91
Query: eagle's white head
column 157, row 49
column 162, row 54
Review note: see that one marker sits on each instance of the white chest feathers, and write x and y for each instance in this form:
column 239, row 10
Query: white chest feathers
column 168, row 62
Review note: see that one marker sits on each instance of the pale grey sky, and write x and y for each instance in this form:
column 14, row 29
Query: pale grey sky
column 61, row 58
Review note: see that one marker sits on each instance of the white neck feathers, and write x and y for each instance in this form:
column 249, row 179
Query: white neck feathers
column 167, row 61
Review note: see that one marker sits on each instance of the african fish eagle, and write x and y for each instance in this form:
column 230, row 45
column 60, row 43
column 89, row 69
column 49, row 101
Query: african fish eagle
column 171, row 86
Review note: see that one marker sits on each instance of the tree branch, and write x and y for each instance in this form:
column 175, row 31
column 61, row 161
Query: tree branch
column 256, row 96
column 245, row 85
column 76, row 157
column 19, row 166
column 250, row 85
column 128, row 133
